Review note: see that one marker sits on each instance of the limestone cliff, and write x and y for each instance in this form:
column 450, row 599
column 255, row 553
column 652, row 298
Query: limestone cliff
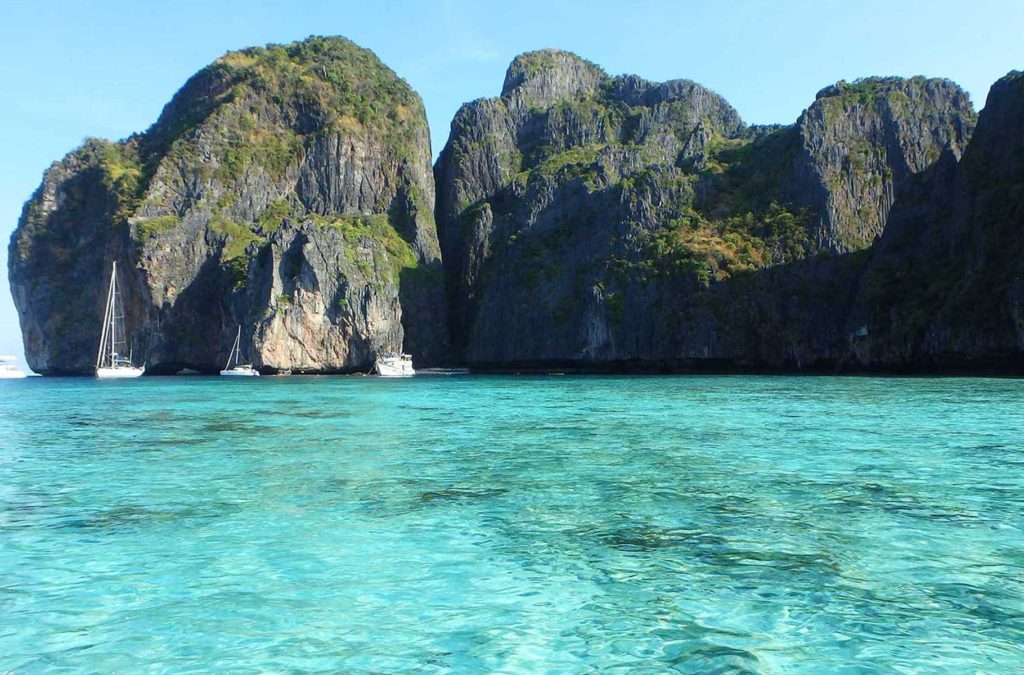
column 286, row 189
column 585, row 220
column 594, row 220
column 860, row 145
column 944, row 289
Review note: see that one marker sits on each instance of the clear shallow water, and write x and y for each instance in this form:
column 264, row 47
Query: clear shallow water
column 520, row 524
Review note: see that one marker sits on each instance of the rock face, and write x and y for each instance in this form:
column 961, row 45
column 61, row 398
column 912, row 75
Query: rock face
column 585, row 221
column 861, row 143
column 614, row 222
column 944, row 289
column 285, row 189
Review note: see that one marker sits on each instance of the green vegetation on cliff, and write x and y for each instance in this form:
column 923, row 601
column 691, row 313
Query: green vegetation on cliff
column 235, row 252
column 249, row 145
column 149, row 227
column 745, row 175
column 717, row 250
column 124, row 174
column 372, row 232
column 272, row 217
column 347, row 88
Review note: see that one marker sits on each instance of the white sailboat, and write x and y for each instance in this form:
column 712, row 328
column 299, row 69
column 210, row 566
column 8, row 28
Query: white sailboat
column 9, row 371
column 394, row 365
column 111, row 363
column 239, row 369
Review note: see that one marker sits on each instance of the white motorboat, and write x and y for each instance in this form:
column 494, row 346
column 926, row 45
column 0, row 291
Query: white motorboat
column 111, row 364
column 9, row 371
column 394, row 365
column 239, row 369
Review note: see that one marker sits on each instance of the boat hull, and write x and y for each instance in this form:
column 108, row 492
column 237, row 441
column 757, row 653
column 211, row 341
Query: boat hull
column 118, row 373
column 239, row 373
column 394, row 370
column 12, row 375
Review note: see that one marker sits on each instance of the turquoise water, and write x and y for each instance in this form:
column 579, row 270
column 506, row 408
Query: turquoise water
column 520, row 524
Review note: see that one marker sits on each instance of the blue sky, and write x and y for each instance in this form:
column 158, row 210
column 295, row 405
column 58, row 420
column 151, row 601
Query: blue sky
column 77, row 69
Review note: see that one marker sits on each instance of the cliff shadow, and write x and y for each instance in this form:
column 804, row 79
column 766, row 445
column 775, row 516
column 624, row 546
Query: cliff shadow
column 190, row 333
column 421, row 293
column 883, row 308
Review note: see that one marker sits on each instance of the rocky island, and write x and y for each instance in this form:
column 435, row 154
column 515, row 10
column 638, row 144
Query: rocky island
column 285, row 189
column 582, row 221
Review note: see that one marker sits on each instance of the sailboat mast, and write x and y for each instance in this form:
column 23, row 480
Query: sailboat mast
column 234, row 348
column 107, row 319
column 113, row 312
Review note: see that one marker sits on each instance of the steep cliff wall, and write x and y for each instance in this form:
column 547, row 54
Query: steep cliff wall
column 285, row 189
column 945, row 285
column 585, row 220
column 860, row 145
column 591, row 220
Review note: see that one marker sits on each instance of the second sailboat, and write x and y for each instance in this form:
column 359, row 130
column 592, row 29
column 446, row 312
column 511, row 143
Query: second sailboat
column 239, row 369
column 111, row 362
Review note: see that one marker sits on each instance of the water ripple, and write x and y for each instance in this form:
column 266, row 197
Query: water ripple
column 570, row 524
